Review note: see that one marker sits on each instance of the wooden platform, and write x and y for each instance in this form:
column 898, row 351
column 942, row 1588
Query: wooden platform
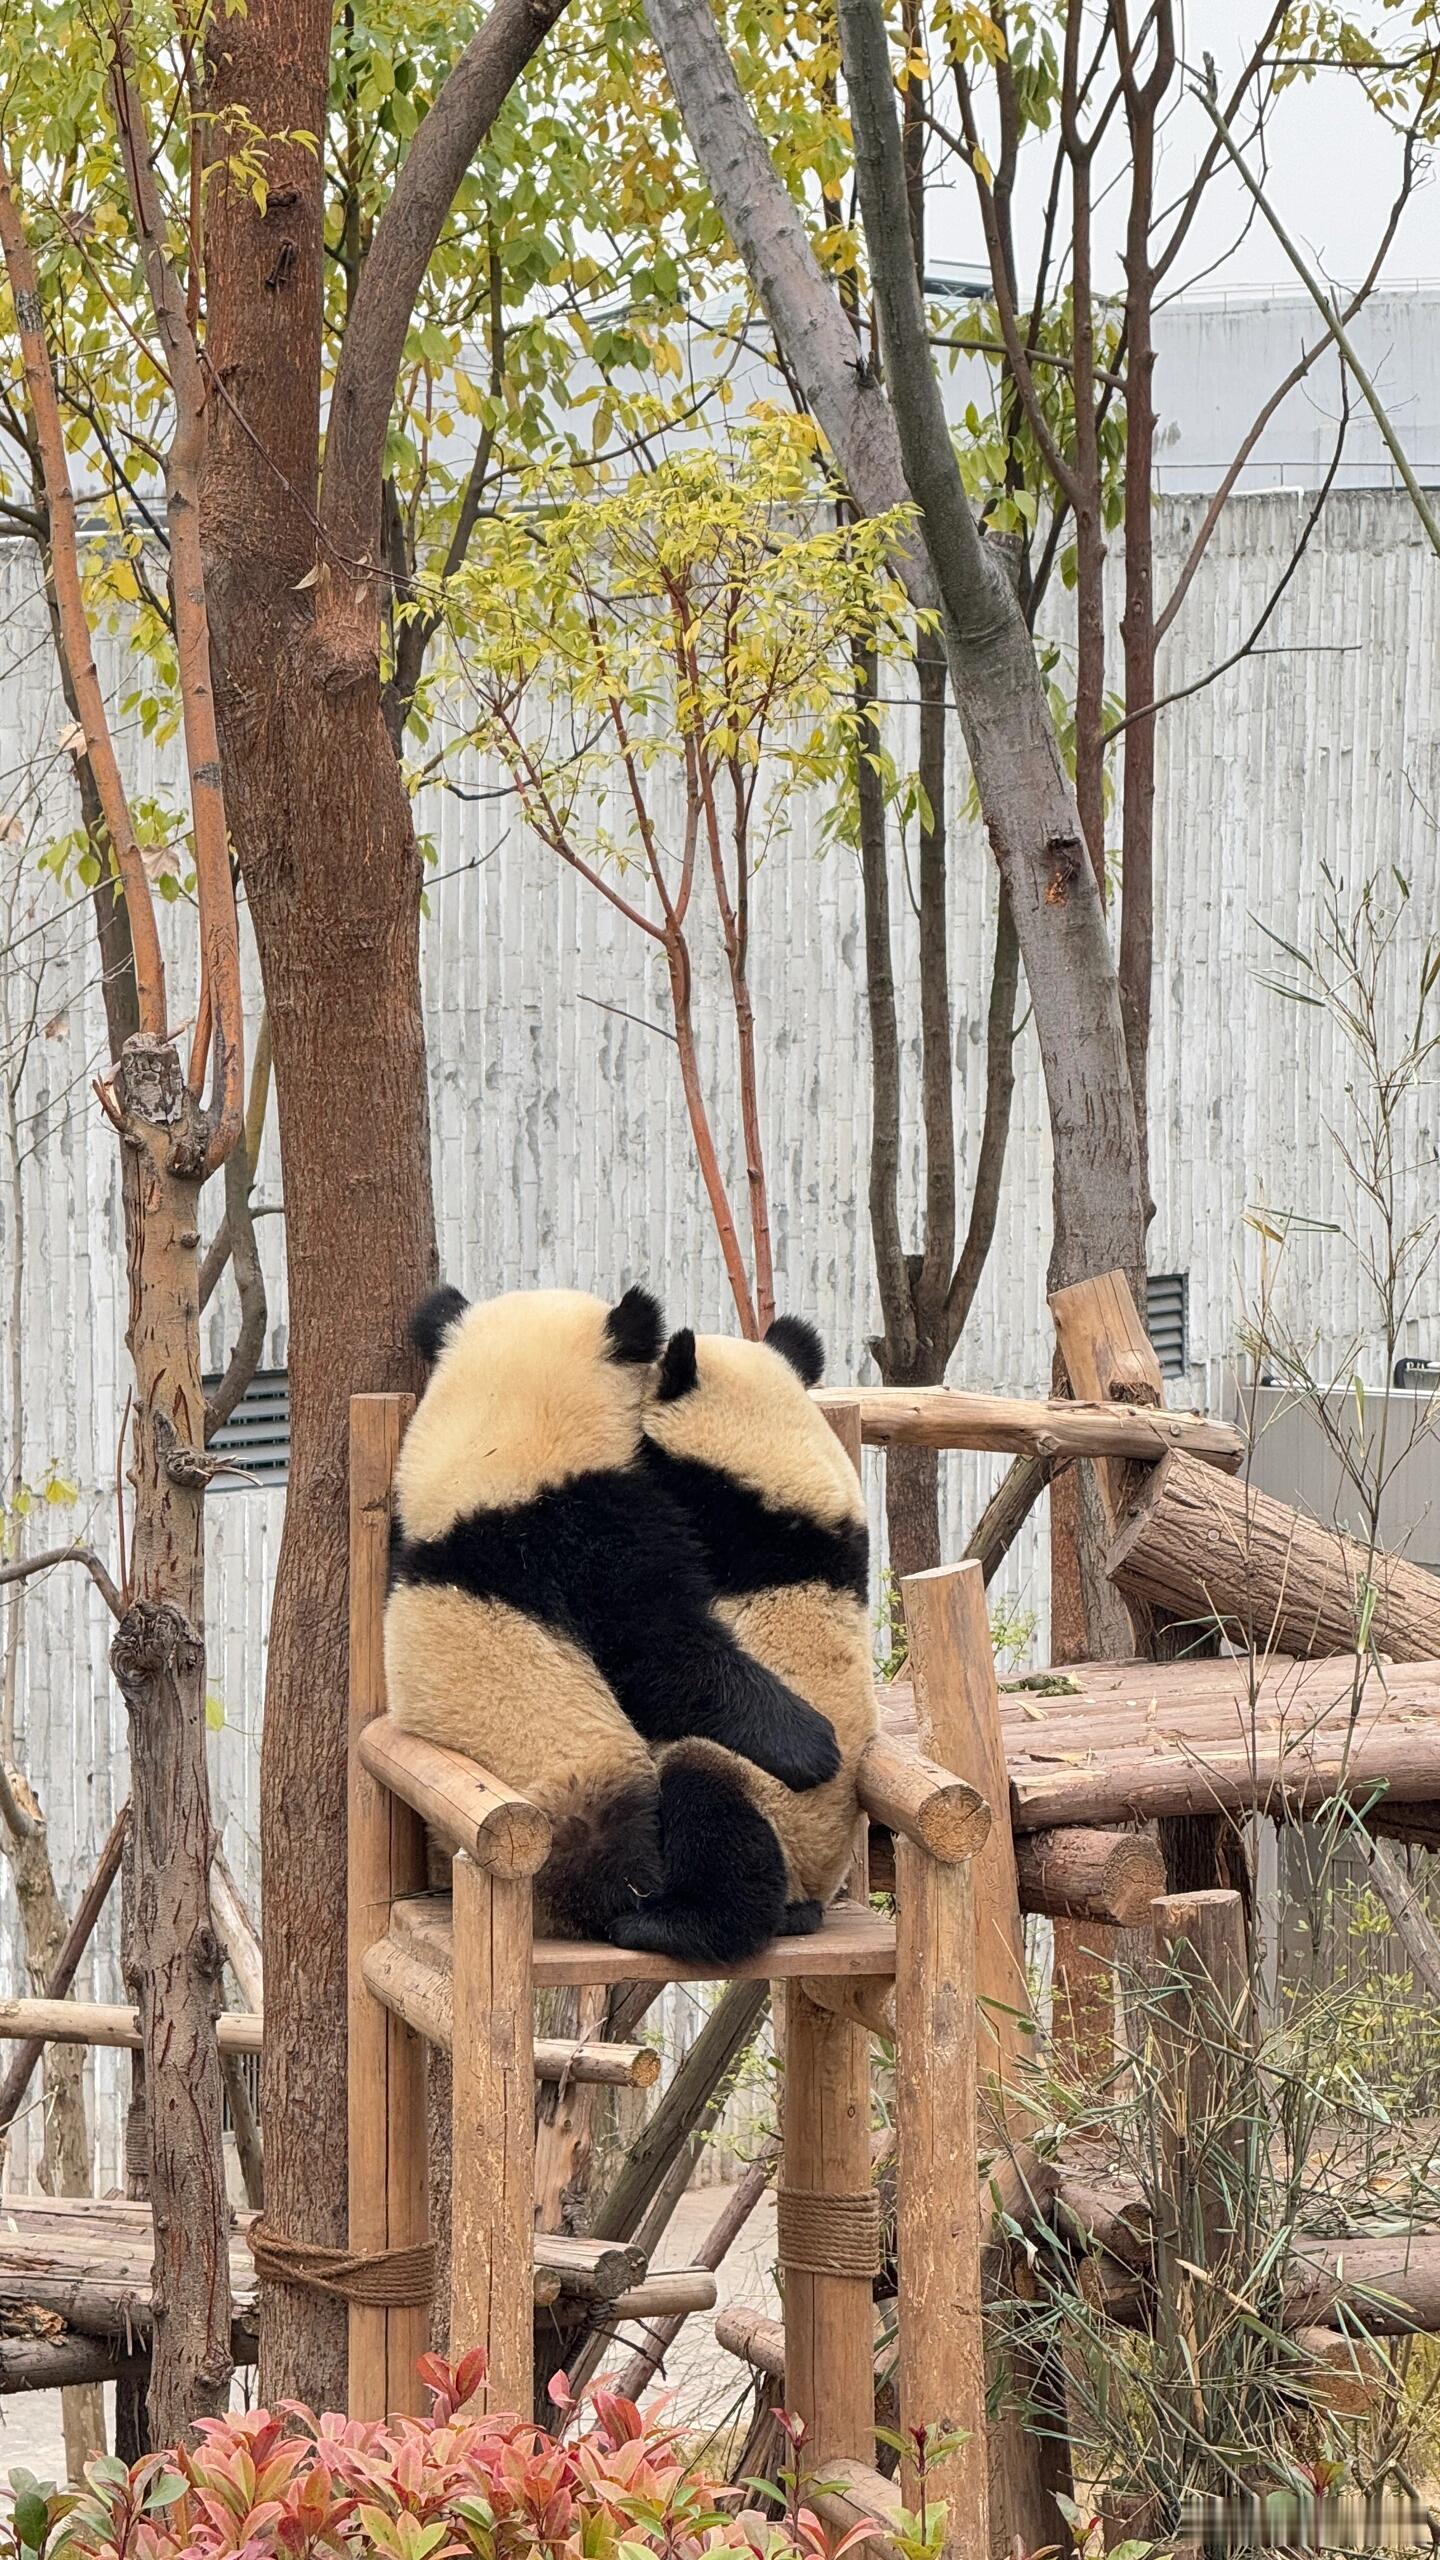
column 852, row 1942
column 1126, row 1741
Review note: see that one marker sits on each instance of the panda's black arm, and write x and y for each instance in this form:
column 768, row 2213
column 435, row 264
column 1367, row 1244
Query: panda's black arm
column 694, row 1679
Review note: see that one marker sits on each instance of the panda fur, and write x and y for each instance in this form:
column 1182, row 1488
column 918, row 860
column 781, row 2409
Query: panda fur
column 549, row 1615
column 734, row 1438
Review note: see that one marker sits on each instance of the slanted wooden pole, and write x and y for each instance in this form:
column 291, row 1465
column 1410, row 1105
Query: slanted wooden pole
column 826, row 2203
column 493, row 2074
column 942, row 2348
column 385, row 1857
column 957, row 1714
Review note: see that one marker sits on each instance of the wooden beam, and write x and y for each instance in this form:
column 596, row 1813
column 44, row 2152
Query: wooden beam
column 670, row 2293
column 422, row 1993
column 943, row 1814
column 385, row 1856
column 493, row 2076
column 947, row 1418
column 1225, row 1555
column 591, row 2270
column 99, row 2023
column 25, row 2063
column 1107, row 1876
column 473, row 1813
column 1204, row 2036
column 754, row 2337
column 1285, row 1774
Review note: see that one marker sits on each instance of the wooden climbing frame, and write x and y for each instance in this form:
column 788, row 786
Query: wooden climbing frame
column 461, row 1969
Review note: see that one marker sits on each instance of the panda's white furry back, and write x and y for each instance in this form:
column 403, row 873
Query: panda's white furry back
column 734, row 1436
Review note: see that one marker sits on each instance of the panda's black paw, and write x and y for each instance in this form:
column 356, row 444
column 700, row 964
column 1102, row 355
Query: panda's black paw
column 802, row 1919
column 799, row 1749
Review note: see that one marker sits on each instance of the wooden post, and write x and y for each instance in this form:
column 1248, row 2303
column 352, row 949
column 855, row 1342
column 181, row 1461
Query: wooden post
column 385, row 1856
column 844, row 1416
column 957, row 1713
column 493, row 2071
column 942, row 2349
column 829, row 2317
column 1109, row 1359
column 957, row 1716
column 1204, row 2060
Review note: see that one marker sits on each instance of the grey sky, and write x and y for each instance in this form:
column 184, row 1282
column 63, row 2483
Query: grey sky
column 1333, row 173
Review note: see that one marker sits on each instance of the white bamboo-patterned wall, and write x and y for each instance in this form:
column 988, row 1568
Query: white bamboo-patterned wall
column 560, row 1146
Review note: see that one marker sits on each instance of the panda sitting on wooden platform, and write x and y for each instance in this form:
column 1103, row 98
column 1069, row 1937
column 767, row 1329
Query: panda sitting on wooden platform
column 559, row 1608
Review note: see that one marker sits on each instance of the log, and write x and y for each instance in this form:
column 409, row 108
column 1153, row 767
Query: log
column 866, row 2004
column 1347, row 2376
column 422, row 1993
column 907, row 1793
column 753, row 2337
column 474, row 1814
column 1109, row 1876
column 58, row 2364
column 493, row 2129
column 1204, row 2035
column 829, row 2319
column 591, row 2270
column 949, row 1418
column 1205, row 1549
column 25, row 2063
column 236, row 1932
column 1285, row 1776
column 957, row 1715
column 942, row 2348
column 695, row 2095
column 1006, row 1513
column 853, row 2494
column 1389, row 2285
column 99, row 2023
column 671, row 2293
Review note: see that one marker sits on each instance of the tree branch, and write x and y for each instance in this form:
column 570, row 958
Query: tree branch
column 24, row 1566
column 1329, row 312
column 214, row 880
column 70, row 605
column 400, row 252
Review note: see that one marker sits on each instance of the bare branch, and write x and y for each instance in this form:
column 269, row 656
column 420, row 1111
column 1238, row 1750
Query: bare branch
column 70, row 605
column 215, row 885
column 24, row 1566
column 404, row 242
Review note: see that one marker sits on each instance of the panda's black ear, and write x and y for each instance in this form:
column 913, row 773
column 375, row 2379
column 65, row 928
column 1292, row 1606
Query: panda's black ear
column 635, row 1328
column 679, row 1373
column 800, row 1344
column 432, row 1321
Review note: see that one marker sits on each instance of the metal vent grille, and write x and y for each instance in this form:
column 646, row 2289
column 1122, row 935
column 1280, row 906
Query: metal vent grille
column 1167, row 1320
column 257, row 1435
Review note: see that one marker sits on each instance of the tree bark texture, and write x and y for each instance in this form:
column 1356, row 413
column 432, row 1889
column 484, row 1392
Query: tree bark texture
column 158, row 1658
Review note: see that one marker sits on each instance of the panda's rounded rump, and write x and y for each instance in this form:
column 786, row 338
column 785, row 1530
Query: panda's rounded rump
column 527, row 1391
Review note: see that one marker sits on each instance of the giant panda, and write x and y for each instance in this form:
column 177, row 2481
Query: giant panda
column 549, row 1615
column 733, row 1437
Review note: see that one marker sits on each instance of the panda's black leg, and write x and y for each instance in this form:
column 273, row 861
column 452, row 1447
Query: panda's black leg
column 723, row 1896
column 802, row 1919
column 605, row 1861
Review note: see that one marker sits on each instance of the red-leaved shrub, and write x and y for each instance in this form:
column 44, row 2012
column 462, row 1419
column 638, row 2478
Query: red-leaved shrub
column 286, row 2483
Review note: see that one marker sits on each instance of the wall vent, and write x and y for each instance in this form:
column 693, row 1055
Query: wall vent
column 257, row 1435
column 1167, row 1320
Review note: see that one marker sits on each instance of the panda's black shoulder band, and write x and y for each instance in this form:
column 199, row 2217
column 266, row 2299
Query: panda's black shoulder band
column 432, row 1321
column 797, row 1341
column 635, row 1328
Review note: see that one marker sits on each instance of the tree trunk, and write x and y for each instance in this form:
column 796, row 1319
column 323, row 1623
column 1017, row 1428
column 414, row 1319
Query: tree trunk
column 327, row 850
column 159, row 1661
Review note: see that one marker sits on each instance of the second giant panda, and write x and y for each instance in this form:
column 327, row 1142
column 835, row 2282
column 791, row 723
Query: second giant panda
column 549, row 1614
column 733, row 1436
